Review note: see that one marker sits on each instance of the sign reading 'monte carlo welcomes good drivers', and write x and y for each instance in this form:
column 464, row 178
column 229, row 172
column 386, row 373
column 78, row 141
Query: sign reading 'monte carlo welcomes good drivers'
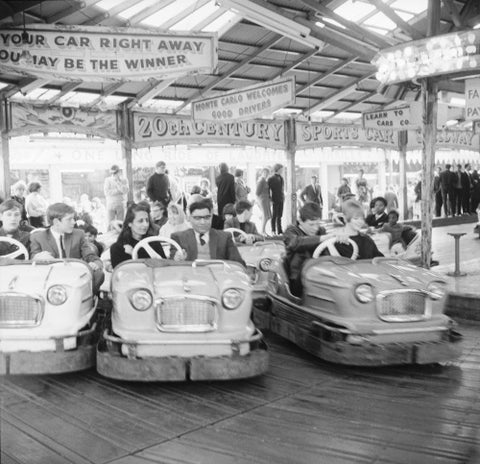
column 247, row 103
column 99, row 53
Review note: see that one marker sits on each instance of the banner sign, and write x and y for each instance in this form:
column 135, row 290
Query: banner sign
column 28, row 119
column 101, row 53
column 400, row 118
column 459, row 139
column 472, row 99
column 152, row 129
column 433, row 56
column 246, row 104
column 319, row 135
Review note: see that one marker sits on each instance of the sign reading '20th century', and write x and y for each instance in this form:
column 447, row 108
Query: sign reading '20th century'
column 106, row 53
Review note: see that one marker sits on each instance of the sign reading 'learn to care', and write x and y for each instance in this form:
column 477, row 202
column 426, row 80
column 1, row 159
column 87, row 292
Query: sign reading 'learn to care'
column 246, row 104
column 92, row 53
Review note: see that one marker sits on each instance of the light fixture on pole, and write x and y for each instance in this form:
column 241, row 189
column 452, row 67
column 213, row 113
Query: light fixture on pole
column 269, row 19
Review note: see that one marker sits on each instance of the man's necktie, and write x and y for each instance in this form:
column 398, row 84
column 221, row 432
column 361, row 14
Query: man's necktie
column 62, row 248
column 202, row 241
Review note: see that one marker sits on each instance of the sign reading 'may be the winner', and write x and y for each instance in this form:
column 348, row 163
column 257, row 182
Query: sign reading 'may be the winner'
column 99, row 53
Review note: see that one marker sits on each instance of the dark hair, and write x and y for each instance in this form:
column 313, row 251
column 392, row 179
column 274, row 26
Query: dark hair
column 196, row 189
column 229, row 208
column 277, row 167
column 89, row 229
column 238, row 172
column 58, row 211
column 223, row 167
column 126, row 234
column 448, row 166
column 206, row 203
column 145, row 204
column 310, row 211
column 242, row 206
column 160, row 164
column 383, row 200
column 394, row 213
column 34, row 187
column 8, row 205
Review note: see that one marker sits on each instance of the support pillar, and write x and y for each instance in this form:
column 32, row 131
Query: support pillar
column 290, row 209
column 323, row 180
column 4, row 152
column 126, row 131
column 402, row 167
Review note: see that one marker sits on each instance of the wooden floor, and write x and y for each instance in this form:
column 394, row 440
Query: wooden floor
column 302, row 411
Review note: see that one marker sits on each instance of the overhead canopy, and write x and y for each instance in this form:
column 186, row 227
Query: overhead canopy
column 326, row 45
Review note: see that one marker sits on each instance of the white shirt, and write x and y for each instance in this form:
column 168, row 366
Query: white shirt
column 57, row 236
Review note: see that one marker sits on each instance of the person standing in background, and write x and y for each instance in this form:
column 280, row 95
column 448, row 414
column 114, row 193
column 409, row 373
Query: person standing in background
column 446, row 185
column 263, row 198
column 241, row 189
column 343, row 190
column 466, row 189
column 313, row 193
column 19, row 188
column 225, row 183
column 277, row 195
column 36, row 205
column 115, row 189
column 362, row 187
column 457, row 191
column 437, row 190
column 158, row 185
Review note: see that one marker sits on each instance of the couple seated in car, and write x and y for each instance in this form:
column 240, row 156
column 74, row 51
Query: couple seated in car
column 199, row 242
column 302, row 239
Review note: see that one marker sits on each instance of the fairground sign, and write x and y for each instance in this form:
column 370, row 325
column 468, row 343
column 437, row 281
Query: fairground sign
column 400, row 118
column 457, row 139
column 319, row 135
column 151, row 129
column 29, row 119
column 472, row 99
column 438, row 55
column 99, row 53
column 246, row 104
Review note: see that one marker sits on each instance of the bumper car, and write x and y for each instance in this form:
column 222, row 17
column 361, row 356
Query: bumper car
column 176, row 321
column 46, row 314
column 259, row 258
column 376, row 312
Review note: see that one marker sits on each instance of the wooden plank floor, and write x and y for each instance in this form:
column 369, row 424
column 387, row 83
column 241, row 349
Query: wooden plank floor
column 302, row 411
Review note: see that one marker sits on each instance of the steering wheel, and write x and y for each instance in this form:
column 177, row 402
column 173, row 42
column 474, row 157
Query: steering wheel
column 145, row 244
column 14, row 254
column 234, row 230
column 330, row 244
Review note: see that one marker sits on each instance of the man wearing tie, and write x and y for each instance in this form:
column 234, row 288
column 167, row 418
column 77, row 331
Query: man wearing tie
column 201, row 241
column 61, row 240
column 313, row 193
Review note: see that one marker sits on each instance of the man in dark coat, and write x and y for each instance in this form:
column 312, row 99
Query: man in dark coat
column 225, row 187
column 437, row 190
column 158, row 185
column 300, row 243
column 277, row 195
column 467, row 185
column 378, row 217
column 446, row 185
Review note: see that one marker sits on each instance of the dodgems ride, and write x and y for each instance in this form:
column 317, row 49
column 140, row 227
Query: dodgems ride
column 46, row 314
column 174, row 321
column 368, row 312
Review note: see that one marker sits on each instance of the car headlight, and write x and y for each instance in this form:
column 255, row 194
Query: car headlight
column 141, row 299
column 364, row 293
column 232, row 298
column 57, row 295
column 436, row 290
column 265, row 264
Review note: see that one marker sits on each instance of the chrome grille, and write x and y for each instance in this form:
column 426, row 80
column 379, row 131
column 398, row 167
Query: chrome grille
column 401, row 306
column 18, row 310
column 186, row 314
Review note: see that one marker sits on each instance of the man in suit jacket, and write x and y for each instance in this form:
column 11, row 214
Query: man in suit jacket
column 312, row 192
column 446, row 186
column 62, row 240
column 203, row 242
column 10, row 217
column 277, row 195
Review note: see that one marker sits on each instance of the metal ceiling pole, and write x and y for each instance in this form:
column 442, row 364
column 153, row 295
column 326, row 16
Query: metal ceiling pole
column 429, row 136
column 402, row 167
column 4, row 152
column 291, row 197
